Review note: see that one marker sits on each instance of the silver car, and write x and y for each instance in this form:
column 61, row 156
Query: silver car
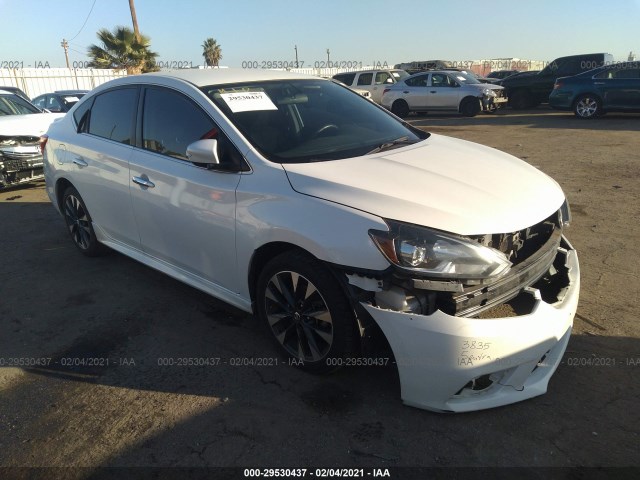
column 441, row 90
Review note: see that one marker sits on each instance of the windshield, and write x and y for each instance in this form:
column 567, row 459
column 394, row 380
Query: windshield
column 399, row 75
column 296, row 121
column 14, row 105
column 464, row 77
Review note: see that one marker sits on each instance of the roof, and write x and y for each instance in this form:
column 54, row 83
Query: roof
column 214, row 76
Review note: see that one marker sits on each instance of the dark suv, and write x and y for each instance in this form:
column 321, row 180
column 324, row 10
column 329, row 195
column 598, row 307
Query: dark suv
column 525, row 91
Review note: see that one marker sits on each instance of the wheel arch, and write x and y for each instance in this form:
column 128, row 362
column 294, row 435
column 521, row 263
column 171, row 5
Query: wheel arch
column 61, row 185
column 585, row 94
column 271, row 250
column 262, row 255
column 466, row 99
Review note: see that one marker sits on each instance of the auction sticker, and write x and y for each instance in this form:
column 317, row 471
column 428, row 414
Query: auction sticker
column 248, row 101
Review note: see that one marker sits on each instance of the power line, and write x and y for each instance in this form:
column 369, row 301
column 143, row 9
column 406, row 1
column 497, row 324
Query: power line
column 85, row 22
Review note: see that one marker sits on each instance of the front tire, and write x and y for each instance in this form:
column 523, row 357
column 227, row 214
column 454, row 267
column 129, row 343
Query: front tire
column 470, row 107
column 306, row 312
column 79, row 225
column 587, row 106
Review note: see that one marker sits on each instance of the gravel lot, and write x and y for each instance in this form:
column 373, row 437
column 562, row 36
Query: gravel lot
column 58, row 304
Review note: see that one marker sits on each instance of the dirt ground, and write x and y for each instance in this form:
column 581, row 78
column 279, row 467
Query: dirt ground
column 55, row 303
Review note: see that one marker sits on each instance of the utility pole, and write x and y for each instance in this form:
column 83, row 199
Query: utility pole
column 134, row 19
column 64, row 44
column 296, row 49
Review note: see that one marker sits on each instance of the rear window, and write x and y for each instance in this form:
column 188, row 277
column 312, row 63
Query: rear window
column 346, row 78
column 112, row 115
column 365, row 79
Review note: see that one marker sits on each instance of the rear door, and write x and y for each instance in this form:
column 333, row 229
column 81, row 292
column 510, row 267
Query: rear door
column 621, row 88
column 99, row 160
column 415, row 91
column 381, row 80
column 364, row 81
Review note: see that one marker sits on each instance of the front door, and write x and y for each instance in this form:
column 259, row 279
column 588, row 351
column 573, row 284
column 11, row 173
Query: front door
column 185, row 212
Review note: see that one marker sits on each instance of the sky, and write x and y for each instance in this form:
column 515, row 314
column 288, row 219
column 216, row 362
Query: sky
column 253, row 32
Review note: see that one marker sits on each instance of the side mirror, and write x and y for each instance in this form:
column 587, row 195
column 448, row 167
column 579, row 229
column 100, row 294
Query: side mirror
column 203, row 151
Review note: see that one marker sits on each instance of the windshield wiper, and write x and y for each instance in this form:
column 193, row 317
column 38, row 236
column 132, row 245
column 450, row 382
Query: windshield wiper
column 388, row 145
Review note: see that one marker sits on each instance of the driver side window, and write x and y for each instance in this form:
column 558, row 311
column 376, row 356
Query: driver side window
column 171, row 122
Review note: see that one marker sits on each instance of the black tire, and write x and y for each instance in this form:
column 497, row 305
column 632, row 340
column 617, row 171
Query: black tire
column 400, row 108
column 470, row 107
column 520, row 99
column 78, row 221
column 587, row 107
column 306, row 312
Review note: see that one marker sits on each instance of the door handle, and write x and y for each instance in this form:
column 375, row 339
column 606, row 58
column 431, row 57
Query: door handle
column 598, row 83
column 405, row 91
column 80, row 162
column 143, row 181
column 434, row 91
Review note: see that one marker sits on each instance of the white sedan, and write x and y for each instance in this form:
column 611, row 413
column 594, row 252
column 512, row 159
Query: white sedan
column 327, row 217
column 443, row 91
column 21, row 125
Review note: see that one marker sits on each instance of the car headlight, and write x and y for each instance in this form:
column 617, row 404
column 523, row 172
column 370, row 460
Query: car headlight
column 438, row 254
column 489, row 93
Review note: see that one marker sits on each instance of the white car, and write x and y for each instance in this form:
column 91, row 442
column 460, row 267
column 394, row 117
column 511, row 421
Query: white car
column 21, row 125
column 443, row 91
column 287, row 196
column 373, row 81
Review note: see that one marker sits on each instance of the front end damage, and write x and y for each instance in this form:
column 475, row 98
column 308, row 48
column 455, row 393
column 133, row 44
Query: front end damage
column 493, row 99
column 20, row 160
column 469, row 346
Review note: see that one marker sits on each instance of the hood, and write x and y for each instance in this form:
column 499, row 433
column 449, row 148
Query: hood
column 34, row 124
column 443, row 183
column 485, row 86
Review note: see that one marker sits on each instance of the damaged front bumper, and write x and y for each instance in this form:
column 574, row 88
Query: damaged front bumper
column 492, row 103
column 20, row 167
column 457, row 364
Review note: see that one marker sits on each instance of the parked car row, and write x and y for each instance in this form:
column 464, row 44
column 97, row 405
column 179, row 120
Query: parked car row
column 589, row 85
column 530, row 90
column 448, row 90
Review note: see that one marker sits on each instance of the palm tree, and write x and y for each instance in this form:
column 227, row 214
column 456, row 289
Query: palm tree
column 121, row 50
column 212, row 52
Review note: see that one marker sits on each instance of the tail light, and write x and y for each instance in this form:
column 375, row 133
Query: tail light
column 385, row 90
column 43, row 142
column 557, row 85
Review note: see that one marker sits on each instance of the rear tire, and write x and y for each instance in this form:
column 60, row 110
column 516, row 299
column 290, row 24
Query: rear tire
column 400, row 108
column 587, row 107
column 79, row 224
column 306, row 312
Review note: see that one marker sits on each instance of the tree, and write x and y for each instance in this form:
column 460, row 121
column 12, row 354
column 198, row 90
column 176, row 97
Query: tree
column 120, row 49
column 212, row 52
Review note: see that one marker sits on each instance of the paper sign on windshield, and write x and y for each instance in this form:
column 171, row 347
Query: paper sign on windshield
column 248, row 101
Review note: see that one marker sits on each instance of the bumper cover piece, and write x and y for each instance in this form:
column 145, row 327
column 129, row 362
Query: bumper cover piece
column 457, row 364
